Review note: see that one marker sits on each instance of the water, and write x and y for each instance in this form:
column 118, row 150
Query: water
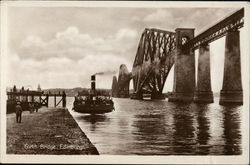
column 139, row 127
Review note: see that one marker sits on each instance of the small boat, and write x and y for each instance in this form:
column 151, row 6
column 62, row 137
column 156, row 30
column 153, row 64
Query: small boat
column 96, row 105
column 93, row 102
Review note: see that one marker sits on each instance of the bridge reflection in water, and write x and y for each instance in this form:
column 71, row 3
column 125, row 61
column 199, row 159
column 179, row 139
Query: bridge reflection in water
column 165, row 128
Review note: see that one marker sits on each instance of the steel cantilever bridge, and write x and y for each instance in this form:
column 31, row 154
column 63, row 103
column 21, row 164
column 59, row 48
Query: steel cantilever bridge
column 159, row 50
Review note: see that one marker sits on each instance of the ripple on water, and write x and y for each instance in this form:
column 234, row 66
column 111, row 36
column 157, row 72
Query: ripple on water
column 164, row 128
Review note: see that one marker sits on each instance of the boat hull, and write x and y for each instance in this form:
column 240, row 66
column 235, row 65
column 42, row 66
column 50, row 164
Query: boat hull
column 93, row 109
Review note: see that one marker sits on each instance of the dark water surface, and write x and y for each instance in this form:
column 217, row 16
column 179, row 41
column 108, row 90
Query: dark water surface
column 139, row 127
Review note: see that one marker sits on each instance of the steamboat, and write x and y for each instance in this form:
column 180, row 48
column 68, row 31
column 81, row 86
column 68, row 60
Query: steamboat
column 93, row 102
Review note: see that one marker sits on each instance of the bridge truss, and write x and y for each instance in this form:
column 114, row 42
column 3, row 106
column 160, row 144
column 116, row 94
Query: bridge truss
column 153, row 61
column 157, row 49
column 230, row 23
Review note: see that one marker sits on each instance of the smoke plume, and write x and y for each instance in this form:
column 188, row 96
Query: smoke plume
column 106, row 73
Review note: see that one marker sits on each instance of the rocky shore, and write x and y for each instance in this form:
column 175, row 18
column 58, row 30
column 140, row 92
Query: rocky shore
column 50, row 131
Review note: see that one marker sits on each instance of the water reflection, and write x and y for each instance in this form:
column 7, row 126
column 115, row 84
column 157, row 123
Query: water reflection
column 151, row 130
column 148, row 132
column 183, row 136
column 232, row 132
column 165, row 128
column 203, row 134
column 94, row 120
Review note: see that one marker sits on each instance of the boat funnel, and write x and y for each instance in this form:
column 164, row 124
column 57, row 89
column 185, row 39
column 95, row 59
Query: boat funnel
column 93, row 84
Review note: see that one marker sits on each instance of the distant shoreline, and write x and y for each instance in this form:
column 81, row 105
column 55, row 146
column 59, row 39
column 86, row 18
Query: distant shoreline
column 71, row 92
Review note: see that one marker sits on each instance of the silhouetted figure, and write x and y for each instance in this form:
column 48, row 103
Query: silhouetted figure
column 14, row 88
column 31, row 107
column 18, row 112
column 47, row 100
column 76, row 101
column 36, row 106
column 64, row 99
column 39, row 88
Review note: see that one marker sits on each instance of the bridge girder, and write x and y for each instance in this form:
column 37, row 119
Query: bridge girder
column 153, row 61
column 158, row 50
column 231, row 23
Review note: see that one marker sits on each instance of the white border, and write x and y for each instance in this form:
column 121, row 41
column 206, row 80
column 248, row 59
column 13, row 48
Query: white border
column 243, row 159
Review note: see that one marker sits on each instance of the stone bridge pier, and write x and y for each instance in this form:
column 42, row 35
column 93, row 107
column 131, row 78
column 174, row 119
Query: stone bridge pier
column 232, row 84
column 184, row 68
column 203, row 91
column 120, row 87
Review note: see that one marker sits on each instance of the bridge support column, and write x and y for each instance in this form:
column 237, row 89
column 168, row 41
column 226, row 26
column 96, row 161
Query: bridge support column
column 203, row 91
column 114, row 87
column 123, row 82
column 136, row 96
column 232, row 86
column 184, row 70
column 157, row 96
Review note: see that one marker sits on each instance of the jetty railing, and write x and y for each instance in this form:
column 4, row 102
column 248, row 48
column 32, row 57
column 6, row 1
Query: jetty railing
column 28, row 97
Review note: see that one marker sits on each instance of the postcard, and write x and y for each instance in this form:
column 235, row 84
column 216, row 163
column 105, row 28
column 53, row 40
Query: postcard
column 125, row 82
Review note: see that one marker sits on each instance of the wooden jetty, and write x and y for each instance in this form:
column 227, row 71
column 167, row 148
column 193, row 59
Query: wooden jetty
column 28, row 97
column 51, row 131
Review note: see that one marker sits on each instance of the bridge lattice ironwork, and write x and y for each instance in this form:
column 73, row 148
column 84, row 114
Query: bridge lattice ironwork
column 233, row 22
column 153, row 61
column 157, row 48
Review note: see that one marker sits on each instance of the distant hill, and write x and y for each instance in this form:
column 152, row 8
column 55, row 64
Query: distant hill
column 73, row 91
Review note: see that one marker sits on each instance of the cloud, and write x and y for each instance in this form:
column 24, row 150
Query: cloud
column 55, row 57
column 201, row 19
column 198, row 18
column 159, row 15
column 63, row 72
column 75, row 45
column 69, row 31
column 32, row 41
column 126, row 33
column 135, row 18
column 69, row 59
column 106, row 63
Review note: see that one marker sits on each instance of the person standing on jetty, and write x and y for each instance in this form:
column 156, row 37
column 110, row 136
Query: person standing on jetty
column 18, row 112
column 36, row 106
column 31, row 107
column 64, row 99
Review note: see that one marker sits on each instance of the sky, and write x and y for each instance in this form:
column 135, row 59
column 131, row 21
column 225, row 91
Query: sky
column 60, row 47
